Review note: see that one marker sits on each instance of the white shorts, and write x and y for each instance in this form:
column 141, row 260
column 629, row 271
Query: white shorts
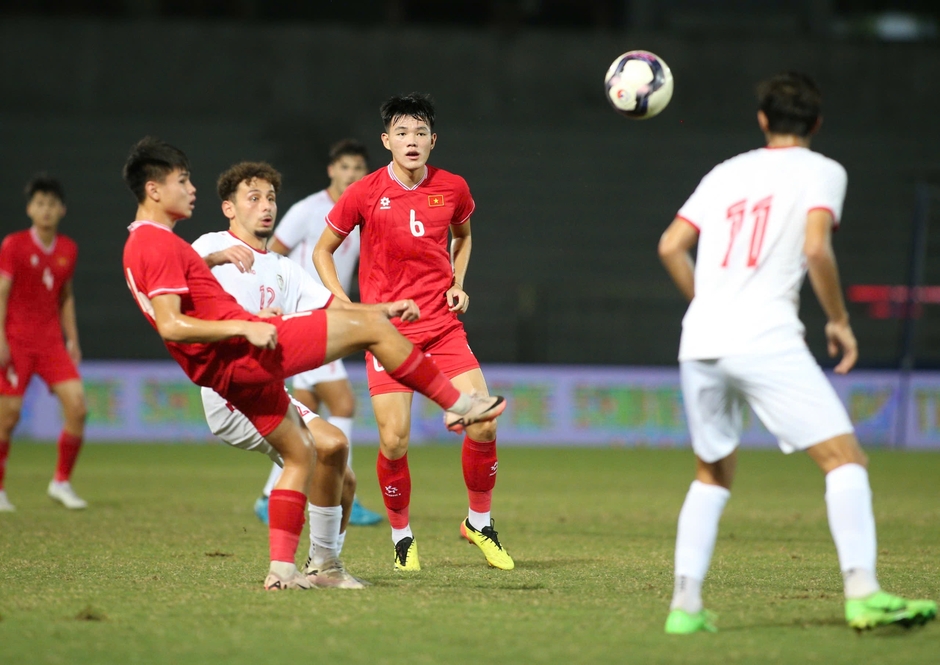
column 334, row 371
column 231, row 425
column 788, row 392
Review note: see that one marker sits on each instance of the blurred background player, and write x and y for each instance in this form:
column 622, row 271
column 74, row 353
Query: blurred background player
column 407, row 211
column 295, row 238
column 38, row 331
column 267, row 283
column 760, row 220
column 246, row 359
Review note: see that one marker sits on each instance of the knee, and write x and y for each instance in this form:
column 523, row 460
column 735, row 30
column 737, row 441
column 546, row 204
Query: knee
column 394, row 445
column 332, row 446
column 74, row 409
column 9, row 417
column 344, row 406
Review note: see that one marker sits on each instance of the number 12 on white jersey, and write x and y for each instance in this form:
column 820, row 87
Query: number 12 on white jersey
column 760, row 213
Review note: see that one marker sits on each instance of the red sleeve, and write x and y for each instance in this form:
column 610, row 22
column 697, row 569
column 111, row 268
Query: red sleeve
column 465, row 205
column 162, row 269
column 345, row 215
column 73, row 251
column 7, row 257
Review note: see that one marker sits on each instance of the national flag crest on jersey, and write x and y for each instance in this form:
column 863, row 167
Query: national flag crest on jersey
column 435, row 200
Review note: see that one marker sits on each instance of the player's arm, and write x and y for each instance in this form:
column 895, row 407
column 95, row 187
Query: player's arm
column 5, row 285
column 69, row 322
column 174, row 326
column 238, row 255
column 323, row 251
column 675, row 252
column 460, row 246
column 824, row 277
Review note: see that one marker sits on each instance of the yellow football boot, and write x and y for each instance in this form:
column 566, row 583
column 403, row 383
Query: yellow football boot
column 489, row 544
column 406, row 555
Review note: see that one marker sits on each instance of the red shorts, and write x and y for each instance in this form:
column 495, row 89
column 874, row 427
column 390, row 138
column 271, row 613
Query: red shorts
column 256, row 387
column 448, row 348
column 53, row 365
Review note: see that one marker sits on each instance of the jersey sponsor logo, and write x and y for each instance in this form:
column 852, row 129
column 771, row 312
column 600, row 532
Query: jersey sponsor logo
column 435, row 200
column 385, row 203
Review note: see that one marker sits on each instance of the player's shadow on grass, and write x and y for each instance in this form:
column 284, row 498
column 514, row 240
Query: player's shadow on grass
column 882, row 632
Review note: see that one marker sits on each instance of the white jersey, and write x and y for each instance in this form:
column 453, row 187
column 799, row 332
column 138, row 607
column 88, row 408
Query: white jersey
column 274, row 280
column 300, row 230
column 750, row 212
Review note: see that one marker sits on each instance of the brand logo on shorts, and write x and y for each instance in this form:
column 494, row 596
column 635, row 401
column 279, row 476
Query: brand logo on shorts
column 391, row 491
column 377, row 365
column 12, row 378
column 385, row 203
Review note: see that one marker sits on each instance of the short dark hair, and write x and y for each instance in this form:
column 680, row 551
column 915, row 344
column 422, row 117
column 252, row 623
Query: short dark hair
column 151, row 159
column 345, row 147
column 232, row 177
column 414, row 105
column 41, row 182
column 792, row 103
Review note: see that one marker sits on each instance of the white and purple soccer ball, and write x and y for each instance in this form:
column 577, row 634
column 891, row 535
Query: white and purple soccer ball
column 638, row 84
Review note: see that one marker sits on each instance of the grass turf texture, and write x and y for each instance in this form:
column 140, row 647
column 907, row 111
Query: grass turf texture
column 167, row 563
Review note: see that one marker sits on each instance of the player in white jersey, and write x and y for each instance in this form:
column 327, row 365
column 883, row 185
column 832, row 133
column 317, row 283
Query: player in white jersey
column 761, row 220
column 295, row 238
column 267, row 283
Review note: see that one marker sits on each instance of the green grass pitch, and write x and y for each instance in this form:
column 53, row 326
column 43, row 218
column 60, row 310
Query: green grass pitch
column 167, row 563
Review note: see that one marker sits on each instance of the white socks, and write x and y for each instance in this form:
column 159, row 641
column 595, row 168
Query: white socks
column 273, row 477
column 852, row 523
column 478, row 520
column 398, row 534
column 695, row 542
column 324, row 532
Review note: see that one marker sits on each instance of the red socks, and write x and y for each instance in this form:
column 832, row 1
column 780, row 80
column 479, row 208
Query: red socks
column 4, row 453
column 395, row 483
column 286, row 519
column 69, row 446
column 419, row 373
column 479, row 472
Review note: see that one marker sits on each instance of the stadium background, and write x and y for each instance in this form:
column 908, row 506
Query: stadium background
column 571, row 198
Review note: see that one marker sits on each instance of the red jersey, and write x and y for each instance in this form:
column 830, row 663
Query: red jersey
column 157, row 262
column 38, row 274
column 404, row 235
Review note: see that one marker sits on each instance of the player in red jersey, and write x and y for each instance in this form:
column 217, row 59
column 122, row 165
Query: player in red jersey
column 407, row 212
column 38, row 333
column 245, row 358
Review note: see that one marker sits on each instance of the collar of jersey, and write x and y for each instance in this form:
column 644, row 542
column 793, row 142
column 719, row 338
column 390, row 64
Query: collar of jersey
column 143, row 222
column 391, row 174
column 259, row 251
column 35, row 237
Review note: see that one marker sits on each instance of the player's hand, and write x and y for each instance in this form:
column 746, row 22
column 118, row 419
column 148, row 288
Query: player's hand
column 841, row 339
column 406, row 310
column 269, row 312
column 75, row 352
column 238, row 255
column 260, row 334
column 457, row 299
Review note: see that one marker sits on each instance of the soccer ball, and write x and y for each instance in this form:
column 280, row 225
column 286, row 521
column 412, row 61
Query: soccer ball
column 638, row 84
